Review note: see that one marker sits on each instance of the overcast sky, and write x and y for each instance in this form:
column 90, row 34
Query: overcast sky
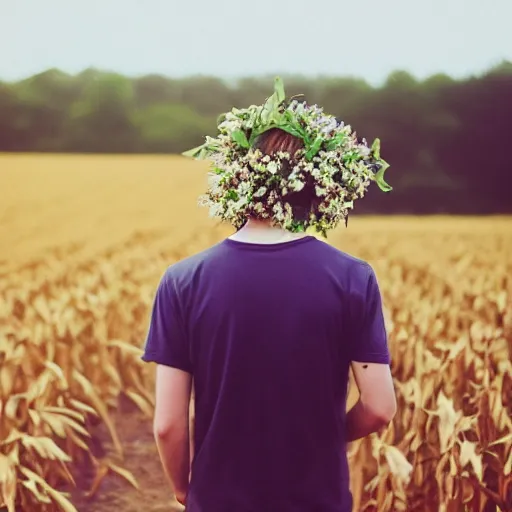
column 231, row 38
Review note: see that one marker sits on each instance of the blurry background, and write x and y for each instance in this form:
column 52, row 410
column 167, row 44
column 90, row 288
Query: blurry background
column 98, row 98
column 434, row 81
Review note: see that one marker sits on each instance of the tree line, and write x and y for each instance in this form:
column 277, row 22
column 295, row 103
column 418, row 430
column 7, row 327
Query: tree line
column 446, row 139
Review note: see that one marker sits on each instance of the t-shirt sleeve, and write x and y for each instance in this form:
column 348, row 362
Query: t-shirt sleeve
column 166, row 341
column 369, row 336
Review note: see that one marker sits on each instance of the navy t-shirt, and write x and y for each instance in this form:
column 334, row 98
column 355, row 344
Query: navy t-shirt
column 268, row 332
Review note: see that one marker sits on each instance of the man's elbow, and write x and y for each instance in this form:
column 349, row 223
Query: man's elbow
column 163, row 430
column 383, row 413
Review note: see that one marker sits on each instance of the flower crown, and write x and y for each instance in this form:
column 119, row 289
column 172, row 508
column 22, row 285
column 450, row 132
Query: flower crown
column 332, row 162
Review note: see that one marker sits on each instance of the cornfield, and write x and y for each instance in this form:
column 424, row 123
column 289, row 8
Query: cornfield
column 82, row 252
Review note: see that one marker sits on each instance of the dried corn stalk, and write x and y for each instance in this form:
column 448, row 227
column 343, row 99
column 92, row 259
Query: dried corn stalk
column 71, row 331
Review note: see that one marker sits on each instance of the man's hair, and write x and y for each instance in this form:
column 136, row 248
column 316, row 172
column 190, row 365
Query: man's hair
column 275, row 141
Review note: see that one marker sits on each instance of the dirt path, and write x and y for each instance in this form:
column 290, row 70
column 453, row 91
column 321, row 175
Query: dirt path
column 141, row 458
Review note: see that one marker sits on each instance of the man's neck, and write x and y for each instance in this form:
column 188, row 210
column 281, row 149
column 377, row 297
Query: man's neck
column 262, row 232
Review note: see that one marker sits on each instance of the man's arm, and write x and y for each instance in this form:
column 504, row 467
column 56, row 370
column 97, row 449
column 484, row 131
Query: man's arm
column 376, row 406
column 171, row 426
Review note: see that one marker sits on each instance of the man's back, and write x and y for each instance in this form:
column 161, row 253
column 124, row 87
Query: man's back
column 268, row 332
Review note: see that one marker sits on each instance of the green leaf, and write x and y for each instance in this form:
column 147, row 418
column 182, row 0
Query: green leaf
column 351, row 156
column 193, row 153
column 256, row 132
column 240, row 138
column 279, row 90
column 297, row 227
column 376, row 149
column 292, row 131
column 336, row 141
column 203, row 152
column 277, row 118
column 232, row 195
column 314, row 148
column 379, row 177
column 270, row 112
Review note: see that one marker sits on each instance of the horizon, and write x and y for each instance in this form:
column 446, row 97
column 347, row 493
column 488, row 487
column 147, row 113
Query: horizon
column 232, row 80
column 228, row 40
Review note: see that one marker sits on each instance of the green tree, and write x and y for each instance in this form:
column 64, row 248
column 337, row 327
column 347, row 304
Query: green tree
column 446, row 139
column 101, row 118
column 170, row 128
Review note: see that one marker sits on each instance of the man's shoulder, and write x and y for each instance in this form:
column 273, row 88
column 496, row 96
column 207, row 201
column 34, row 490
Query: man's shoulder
column 346, row 259
column 192, row 263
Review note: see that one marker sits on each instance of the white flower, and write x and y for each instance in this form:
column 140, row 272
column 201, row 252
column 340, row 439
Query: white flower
column 361, row 188
column 230, row 126
column 309, row 167
column 216, row 210
column 244, row 188
column 272, row 167
column 278, row 211
column 214, row 180
column 203, row 200
column 327, row 125
column 296, row 185
column 260, row 192
column 298, row 108
column 364, row 150
column 315, row 172
column 272, row 197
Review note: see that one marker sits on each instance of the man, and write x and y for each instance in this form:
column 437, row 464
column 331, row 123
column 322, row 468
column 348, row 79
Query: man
column 269, row 321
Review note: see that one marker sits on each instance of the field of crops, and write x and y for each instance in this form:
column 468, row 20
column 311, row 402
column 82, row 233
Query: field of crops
column 83, row 243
